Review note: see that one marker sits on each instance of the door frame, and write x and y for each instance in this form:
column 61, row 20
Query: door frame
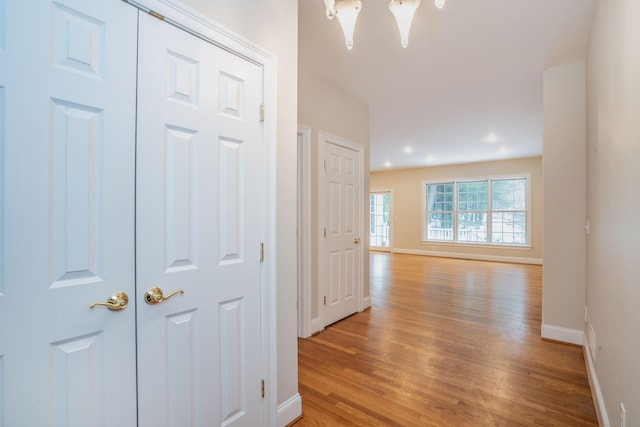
column 304, row 231
column 179, row 15
column 325, row 138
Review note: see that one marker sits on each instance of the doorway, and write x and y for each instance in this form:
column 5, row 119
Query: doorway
column 380, row 220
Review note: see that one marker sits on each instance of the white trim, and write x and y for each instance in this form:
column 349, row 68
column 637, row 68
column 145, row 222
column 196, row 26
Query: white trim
column 289, row 410
column 304, row 231
column 366, row 302
column 558, row 333
column 191, row 21
column 323, row 139
column 475, row 257
column 596, row 392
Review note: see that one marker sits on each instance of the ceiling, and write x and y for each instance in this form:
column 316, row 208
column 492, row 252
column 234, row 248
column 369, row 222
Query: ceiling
column 470, row 70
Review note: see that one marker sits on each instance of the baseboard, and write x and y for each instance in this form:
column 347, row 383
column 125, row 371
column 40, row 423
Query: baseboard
column 596, row 392
column 289, row 410
column 558, row 333
column 366, row 303
column 475, row 257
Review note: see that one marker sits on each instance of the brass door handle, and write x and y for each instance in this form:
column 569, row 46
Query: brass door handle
column 115, row 302
column 154, row 295
column 356, row 240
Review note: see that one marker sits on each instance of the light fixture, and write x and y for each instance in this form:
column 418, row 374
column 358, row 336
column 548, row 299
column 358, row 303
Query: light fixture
column 347, row 12
column 404, row 10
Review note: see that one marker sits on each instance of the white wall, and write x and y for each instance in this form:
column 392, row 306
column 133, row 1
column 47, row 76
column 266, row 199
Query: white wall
column 613, row 204
column 273, row 25
column 324, row 107
column 564, row 172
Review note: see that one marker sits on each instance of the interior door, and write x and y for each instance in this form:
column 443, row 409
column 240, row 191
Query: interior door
column 342, row 204
column 67, row 217
column 198, row 231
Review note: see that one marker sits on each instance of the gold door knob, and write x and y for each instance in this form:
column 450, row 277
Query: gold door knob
column 356, row 240
column 154, row 295
column 115, row 302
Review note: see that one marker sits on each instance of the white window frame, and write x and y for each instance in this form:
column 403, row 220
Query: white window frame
column 489, row 179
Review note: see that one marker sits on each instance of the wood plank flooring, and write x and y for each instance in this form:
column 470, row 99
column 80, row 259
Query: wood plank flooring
column 446, row 343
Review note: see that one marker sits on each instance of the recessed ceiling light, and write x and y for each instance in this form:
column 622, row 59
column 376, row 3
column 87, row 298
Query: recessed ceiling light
column 387, row 164
column 504, row 151
column 492, row 138
column 407, row 149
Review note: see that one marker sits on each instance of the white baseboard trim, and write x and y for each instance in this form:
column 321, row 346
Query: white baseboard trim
column 475, row 257
column 558, row 333
column 289, row 410
column 596, row 392
column 366, row 303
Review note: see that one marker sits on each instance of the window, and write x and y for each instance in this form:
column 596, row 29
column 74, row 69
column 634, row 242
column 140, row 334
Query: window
column 490, row 211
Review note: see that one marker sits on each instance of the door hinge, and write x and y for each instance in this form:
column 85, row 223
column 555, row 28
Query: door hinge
column 324, row 164
column 262, row 112
column 156, row 15
column 324, row 300
column 325, row 232
column 262, row 388
column 261, row 251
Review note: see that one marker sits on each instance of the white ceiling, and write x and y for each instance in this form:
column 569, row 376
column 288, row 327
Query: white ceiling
column 470, row 69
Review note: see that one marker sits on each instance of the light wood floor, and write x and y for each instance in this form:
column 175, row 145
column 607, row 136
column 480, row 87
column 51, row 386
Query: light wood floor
column 446, row 343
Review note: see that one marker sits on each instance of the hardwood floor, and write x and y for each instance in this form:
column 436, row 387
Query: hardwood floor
column 446, row 343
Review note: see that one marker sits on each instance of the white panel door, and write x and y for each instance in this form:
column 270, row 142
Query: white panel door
column 67, row 218
column 342, row 216
column 198, row 231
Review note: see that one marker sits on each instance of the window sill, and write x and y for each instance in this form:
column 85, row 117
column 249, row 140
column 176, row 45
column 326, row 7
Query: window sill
column 477, row 245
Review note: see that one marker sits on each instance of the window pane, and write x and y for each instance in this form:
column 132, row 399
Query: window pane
column 472, row 226
column 509, row 195
column 440, row 197
column 440, row 226
column 509, row 228
column 472, row 196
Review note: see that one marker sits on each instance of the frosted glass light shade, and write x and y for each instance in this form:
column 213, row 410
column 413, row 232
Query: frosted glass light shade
column 330, row 5
column 404, row 10
column 347, row 12
column 440, row 4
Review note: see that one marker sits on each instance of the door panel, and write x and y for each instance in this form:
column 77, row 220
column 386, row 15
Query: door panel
column 342, row 216
column 198, row 230
column 67, row 212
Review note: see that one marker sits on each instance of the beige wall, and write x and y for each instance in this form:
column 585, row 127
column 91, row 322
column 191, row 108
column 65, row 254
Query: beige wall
column 324, row 107
column 613, row 205
column 564, row 170
column 407, row 209
column 273, row 25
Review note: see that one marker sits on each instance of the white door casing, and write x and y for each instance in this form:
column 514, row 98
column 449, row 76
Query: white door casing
column 68, row 203
column 341, row 259
column 199, row 231
column 308, row 314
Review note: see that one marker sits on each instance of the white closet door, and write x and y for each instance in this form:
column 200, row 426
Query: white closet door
column 198, row 222
column 67, row 120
